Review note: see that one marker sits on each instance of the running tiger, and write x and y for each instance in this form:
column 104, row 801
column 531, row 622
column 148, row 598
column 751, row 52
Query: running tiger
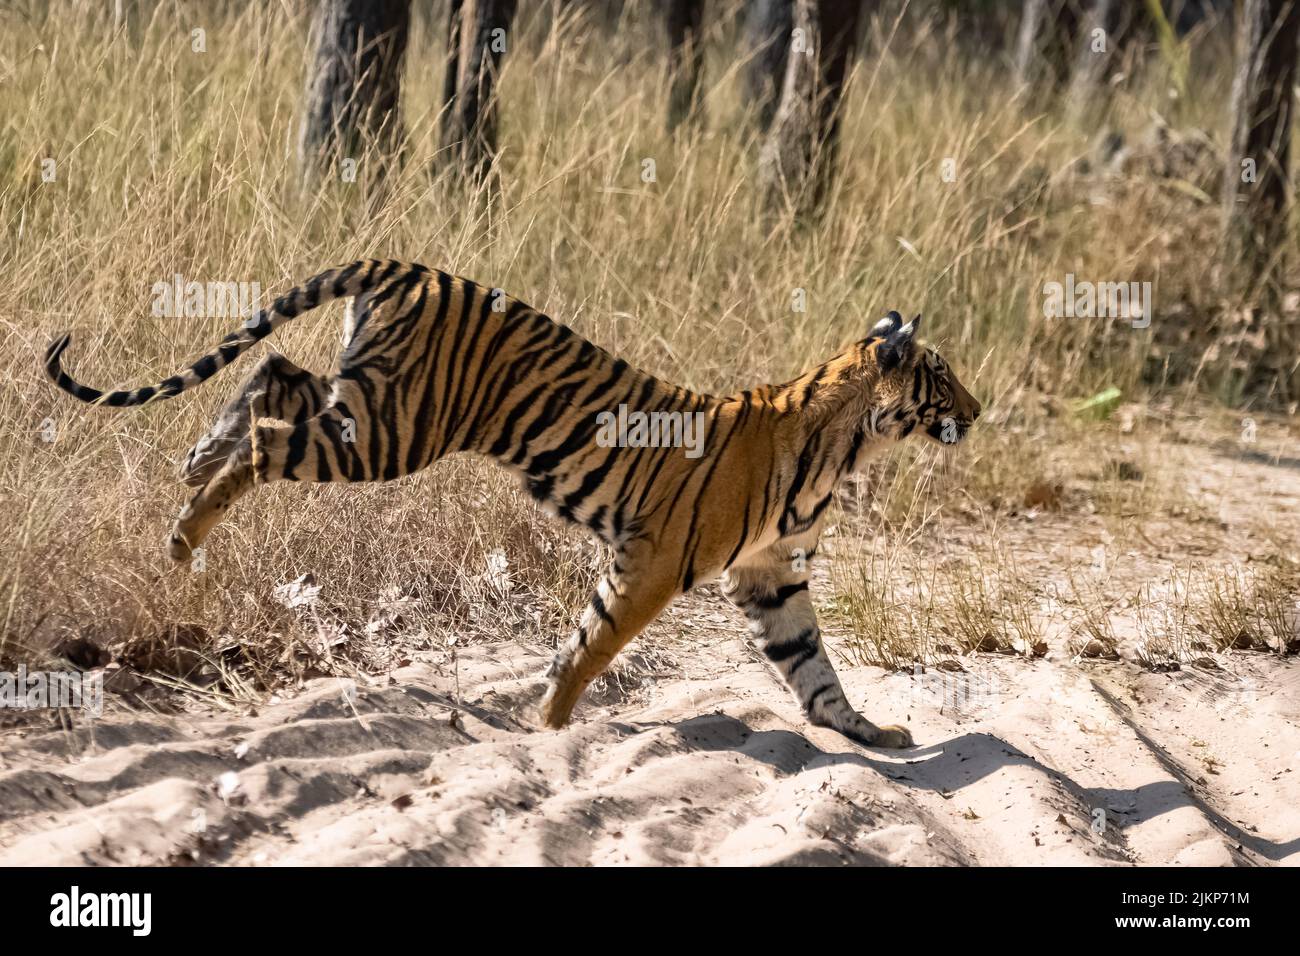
column 435, row 365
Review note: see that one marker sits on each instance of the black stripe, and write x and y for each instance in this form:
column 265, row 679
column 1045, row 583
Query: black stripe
column 858, row 437
column 685, row 484
column 771, row 602
column 591, row 482
column 540, row 488
column 311, row 293
column 481, row 382
column 367, row 389
column 446, row 414
column 696, row 523
column 581, row 436
column 323, row 472
column 420, row 430
column 344, row 276
column 347, row 456
column 530, row 353
column 297, row 450
column 500, row 446
column 801, row 644
column 550, row 416
column 800, row 476
column 205, row 367
column 744, row 536
column 598, row 606
column 467, row 372
column 812, row 698
column 597, row 521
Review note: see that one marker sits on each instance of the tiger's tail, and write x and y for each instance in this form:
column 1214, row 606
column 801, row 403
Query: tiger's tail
column 339, row 283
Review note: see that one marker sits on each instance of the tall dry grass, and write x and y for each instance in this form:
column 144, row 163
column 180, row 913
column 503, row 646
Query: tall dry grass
column 175, row 162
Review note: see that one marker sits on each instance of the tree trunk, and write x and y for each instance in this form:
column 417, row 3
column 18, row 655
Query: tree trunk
column 983, row 28
column 1046, row 43
column 1110, row 27
column 1257, row 183
column 1189, row 14
column 685, row 59
column 354, row 80
column 768, row 24
column 798, row 158
column 478, row 35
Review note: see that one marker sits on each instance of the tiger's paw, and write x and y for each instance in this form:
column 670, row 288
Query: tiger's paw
column 862, row 731
column 894, row 737
column 551, row 712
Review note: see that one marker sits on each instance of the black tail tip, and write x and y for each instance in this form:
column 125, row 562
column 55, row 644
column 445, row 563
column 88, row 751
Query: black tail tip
column 55, row 350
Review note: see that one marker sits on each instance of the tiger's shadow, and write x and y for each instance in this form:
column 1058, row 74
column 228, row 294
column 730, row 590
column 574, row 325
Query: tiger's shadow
column 958, row 762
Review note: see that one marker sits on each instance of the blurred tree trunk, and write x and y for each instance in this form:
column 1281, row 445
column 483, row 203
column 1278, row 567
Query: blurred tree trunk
column 353, row 81
column 685, row 59
column 451, row 70
column 768, row 24
column 984, row 28
column 1046, row 43
column 477, row 32
column 797, row 159
column 1110, row 27
column 604, row 14
column 1188, row 14
column 1257, row 183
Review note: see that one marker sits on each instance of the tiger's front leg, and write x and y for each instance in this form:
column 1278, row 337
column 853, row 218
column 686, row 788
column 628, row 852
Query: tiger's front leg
column 626, row 600
column 315, row 450
column 276, row 388
column 772, row 591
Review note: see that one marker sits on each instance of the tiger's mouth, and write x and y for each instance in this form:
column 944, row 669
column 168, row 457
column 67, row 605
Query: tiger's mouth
column 949, row 430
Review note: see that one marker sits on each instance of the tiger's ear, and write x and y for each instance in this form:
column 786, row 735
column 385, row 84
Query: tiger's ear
column 898, row 345
column 886, row 326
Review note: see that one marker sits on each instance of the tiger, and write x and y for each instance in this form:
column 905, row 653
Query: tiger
column 434, row 365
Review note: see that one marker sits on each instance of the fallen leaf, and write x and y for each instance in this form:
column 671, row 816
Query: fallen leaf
column 302, row 592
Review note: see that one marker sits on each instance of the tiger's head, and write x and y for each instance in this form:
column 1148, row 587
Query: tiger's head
column 917, row 389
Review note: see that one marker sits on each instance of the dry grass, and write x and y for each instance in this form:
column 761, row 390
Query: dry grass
column 1244, row 611
column 174, row 162
column 907, row 607
column 1092, row 630
column 1201, row 611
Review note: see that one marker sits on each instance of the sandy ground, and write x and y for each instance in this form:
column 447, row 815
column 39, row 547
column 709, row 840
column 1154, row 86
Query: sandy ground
column 696, row 754
column 1051, row 766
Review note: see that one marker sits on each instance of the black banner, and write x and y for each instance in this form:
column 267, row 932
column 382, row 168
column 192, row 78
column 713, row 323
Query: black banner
column 132, row 906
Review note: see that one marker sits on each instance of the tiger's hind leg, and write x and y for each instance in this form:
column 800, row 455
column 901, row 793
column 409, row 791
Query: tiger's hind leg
column 626, row 600
column 772, row 591
column 277, row 388
column 326, row 447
